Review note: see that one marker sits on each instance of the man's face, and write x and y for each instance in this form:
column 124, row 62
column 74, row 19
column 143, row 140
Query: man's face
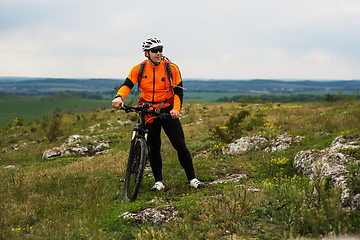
column 155, row 55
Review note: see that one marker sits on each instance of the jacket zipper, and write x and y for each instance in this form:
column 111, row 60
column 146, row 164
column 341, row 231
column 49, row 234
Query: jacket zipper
column 153, row 97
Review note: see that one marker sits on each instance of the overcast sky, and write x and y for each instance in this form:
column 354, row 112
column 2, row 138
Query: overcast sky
column 222, row 39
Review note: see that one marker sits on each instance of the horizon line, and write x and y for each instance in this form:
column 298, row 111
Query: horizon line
column 185, row 79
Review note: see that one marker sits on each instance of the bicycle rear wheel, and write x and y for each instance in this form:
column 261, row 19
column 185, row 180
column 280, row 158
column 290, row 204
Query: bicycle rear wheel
column 135, row 169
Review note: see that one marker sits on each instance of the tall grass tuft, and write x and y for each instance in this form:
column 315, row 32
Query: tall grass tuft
column 54, row 129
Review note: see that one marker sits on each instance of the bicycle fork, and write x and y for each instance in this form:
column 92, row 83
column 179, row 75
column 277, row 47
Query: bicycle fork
column 135, row 130
column 131, row 166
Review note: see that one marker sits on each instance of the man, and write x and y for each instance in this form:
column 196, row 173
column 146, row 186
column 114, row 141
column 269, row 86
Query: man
column 161, row 85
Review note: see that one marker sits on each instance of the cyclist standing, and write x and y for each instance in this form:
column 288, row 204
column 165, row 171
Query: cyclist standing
column 161, row 86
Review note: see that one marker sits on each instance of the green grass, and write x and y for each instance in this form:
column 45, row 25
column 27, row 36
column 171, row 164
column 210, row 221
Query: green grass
column 206, row 96
column 81, row 197
column 32, row 108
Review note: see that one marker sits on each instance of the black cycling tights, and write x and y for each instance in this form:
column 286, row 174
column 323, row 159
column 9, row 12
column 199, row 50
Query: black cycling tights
column 174, row 131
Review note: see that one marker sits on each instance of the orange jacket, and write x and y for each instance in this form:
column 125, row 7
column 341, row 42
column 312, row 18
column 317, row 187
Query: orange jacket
column 155, row 85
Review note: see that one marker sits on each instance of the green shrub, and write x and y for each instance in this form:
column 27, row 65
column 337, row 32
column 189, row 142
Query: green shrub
column 18, row 122
column 54, row 130
column 233, row 128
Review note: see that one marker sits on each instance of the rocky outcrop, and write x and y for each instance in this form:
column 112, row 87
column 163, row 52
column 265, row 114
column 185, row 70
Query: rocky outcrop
column 244, row 144
column 14, row 147
column 330, row 163
column 327, row 163
column 73, row 146
column 158, row 215
column 236, row 178
column 283, row 142
column 355, row 204
column 341, row 143
column 230, row 178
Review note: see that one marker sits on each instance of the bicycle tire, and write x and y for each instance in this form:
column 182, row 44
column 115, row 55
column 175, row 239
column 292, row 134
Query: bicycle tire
column 135, row 169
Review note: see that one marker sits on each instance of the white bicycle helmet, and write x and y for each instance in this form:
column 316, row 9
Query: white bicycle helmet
column 151, row 43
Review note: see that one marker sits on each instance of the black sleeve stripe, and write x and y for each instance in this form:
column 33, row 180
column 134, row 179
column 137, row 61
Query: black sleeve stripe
column 178, row 90
column 128, row 83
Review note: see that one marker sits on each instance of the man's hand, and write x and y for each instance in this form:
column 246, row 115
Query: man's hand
column 117, row 102
column 174, row 114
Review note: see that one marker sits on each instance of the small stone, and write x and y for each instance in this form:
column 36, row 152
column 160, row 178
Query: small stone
column 11, row 167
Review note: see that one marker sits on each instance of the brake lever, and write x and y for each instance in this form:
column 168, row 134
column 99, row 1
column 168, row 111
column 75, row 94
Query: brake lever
column 126, row 109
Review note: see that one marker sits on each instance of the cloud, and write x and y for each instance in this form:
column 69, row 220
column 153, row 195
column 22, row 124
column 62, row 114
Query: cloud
column 206, row 38
column 319, row 57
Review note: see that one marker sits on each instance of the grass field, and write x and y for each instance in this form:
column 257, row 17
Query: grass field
column 31, row 108
column 206, row 97
column 35, row 107
column 80, row 197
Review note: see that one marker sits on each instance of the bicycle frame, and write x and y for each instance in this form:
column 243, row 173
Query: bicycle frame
column 142, row 111
column 138, row 155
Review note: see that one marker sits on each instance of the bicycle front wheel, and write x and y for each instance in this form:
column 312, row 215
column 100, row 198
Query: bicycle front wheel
column 135, row 169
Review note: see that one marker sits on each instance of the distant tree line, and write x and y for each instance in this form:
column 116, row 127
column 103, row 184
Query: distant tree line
column 289, row 98
column 85, row 94
column 79, row 94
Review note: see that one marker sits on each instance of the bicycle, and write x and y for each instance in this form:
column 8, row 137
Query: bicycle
column 138, row 154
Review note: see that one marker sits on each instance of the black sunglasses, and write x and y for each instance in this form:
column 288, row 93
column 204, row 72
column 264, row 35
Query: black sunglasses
column 156, row 50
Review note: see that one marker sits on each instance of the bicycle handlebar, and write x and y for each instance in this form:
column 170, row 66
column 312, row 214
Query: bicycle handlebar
column 145, row 109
